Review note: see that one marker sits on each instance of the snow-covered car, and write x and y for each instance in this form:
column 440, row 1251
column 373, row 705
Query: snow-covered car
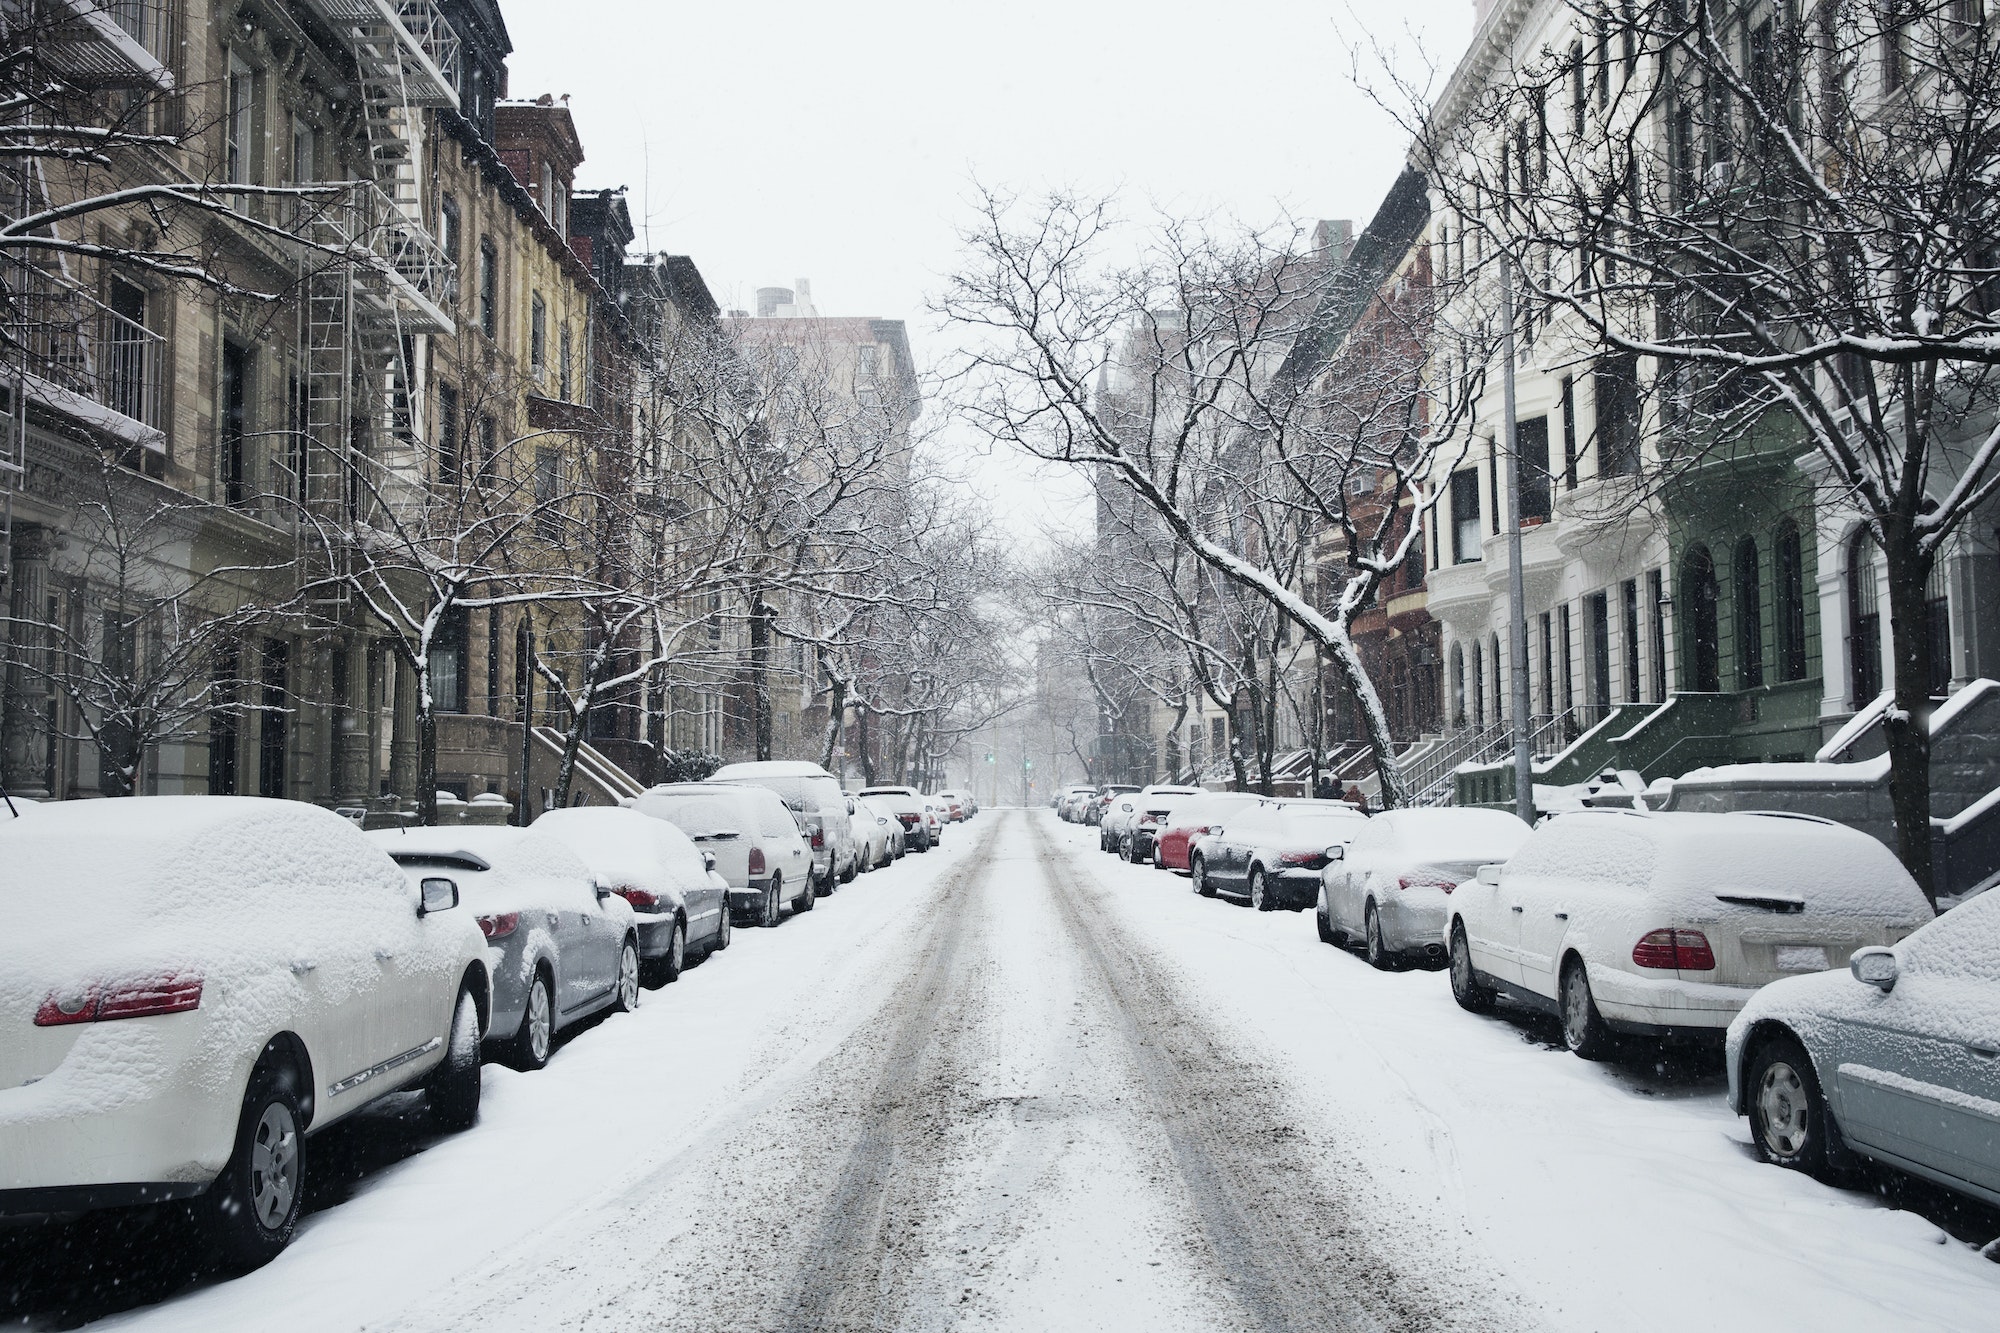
column 1130, row 821
column 816, row 794
column 193, row 986
column 679, row 902
column 912, row 810
column 1069, row 805
column 900, row 838
column 953, row 805
column 1664, row 924
column 1191, row 819
column 560, row 946
column 1271, row 853
column 875, row 833
column 1390, row 886
column 1896, row 1058
column 1095, row 807
column 754, row 837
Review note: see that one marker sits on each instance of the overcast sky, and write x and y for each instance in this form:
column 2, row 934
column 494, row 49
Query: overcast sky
column 774, row 141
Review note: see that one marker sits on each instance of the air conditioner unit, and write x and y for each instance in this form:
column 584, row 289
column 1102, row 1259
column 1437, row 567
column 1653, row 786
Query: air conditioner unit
column 1721, row 175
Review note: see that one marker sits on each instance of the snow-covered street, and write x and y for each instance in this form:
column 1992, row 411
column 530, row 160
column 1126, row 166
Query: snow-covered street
column 1019, row 1084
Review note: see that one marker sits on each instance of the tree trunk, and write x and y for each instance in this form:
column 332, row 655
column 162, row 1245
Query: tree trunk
column 760, row 671
column 1388, row 776
column 1906, row 726
column 427, row 755
column 862, row 735
column 836, row 713
column 566, row 770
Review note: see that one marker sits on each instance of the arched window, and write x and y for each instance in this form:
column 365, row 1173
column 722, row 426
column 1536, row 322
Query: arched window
column 1749, row 616
column 1699, row 621
column 1790, row 577
column 1457, row 685
column 1499, row 696
column 1864, row 622
column 1478, row 686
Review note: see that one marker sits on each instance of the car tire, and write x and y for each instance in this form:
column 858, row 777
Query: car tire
column 1159, row 861
column 536, row 1040
column 1472, row 997
column 1789, row 1122
column 1379, row 956
column 1327, row 934
column 805, row 901
column 767, row 915
column 853, row 869
column 626, row 997
column 668, row 967
column 1584, row 1030
column 722, row 928
column 250, row 1210
column 1198, row 872
column 452, row 1092
column 1260, row 890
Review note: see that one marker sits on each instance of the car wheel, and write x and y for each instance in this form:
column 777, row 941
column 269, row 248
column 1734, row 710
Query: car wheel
column 1159, row 862
column 453, row 1091
column 1198, row 872
column 252, row 1207
column 668, row 968
column 1465, row 988
column 1584, row 1029
column 1327, row 934
column 1260, row 890
column 1379, row 957
column 804, row 902
column 767, row 917
column 853, row 869
column 1788, row 1115
column 627, row 997
column 536, row 1039
column 722, row 929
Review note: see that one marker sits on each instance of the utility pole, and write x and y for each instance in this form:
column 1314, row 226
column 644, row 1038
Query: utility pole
column 1517, row 610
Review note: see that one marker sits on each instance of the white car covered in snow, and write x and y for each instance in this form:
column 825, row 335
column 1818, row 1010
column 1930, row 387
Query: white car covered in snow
column 1390, row 886
column 1623, row 921
column 192, row 986
column 1896, row 1058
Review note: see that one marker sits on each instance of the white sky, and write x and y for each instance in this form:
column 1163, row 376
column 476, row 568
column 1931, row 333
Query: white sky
column 773, row 141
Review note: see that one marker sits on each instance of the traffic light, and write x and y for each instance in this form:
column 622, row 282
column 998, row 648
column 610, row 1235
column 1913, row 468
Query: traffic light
column 1027, row 763
column 989, row 756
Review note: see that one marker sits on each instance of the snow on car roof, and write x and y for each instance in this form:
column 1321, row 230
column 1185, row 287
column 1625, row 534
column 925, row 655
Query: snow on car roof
column 1456, row 834
column 625, row 848
column 1702, row 861
column 524, row 867
column 771, row 768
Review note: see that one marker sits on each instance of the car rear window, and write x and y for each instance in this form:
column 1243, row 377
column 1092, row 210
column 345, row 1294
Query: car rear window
column 1589, row 850
column 699, row 816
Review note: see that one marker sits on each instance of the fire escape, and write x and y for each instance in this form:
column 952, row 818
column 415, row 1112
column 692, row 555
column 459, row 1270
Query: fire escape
column 373, row 279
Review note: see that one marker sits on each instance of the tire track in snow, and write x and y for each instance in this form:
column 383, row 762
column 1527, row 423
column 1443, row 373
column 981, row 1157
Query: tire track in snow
column 1294, row 1256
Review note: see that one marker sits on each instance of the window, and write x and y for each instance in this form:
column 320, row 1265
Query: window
column 1478, row 685
column 1656, row 599
column 1457, row 685
column 1597, row 620
column 448, row 226
column 489, row 288
column 450, row 644
column 450, row 458
column 524, row 652
column 548, row 486
column 1601, row 26
column 1749, row 616
column 125, row 377
column 562, row 367
column 1531, row 438
column 1548, row 665
column 1617, row 388
column 1569, row 432
column 1629, row 600
column 1698, row 598
column 235, row 424
column 1465, row 515
column 1628, row 35
column 1892, row 15
column 1791, row 588
column 1937, row 602
column 222, row 717
column 489, row 445
column 1218, row 736
column 305, row 151
column 1864, row 621
column 1579, row 98
column 1568, row 678
column 239, row 148
column 538, row 338
column 272, row 718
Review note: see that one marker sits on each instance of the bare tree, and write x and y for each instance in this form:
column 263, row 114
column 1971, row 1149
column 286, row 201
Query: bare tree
column 1239, row 406
column 1784, row 217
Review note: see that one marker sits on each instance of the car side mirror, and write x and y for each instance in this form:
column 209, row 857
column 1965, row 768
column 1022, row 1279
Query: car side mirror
column 1336, row 853
column 603, row 889
column 1875, row 967
column 1489, row 875
column 436, row 895
column 708, row 861
column 1215, row 832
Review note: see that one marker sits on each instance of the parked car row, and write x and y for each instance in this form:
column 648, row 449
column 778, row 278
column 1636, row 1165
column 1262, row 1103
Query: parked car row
column 1855, row 1023
column 192, row 987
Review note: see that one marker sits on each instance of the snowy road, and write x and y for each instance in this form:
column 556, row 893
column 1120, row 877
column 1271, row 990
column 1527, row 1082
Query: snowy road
column 1016, row 1084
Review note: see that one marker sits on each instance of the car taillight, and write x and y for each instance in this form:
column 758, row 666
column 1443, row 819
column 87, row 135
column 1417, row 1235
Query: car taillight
column 1685, row 950
column 173, row 994
column 819, row 838
column 499, row 925
column 639, row 898
column 1426, row 882
column 908, row 819
column 756, row 860
column 1310, row 860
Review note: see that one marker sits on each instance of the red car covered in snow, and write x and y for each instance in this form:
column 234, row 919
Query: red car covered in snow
column 1191, row 818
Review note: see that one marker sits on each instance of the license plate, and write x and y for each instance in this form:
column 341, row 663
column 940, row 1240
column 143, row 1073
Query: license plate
column 1802, row 958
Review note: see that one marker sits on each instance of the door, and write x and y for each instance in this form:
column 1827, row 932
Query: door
column 1915, row 1072
column 1540, row 906
column 1347, row 878
column 1492, row 926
